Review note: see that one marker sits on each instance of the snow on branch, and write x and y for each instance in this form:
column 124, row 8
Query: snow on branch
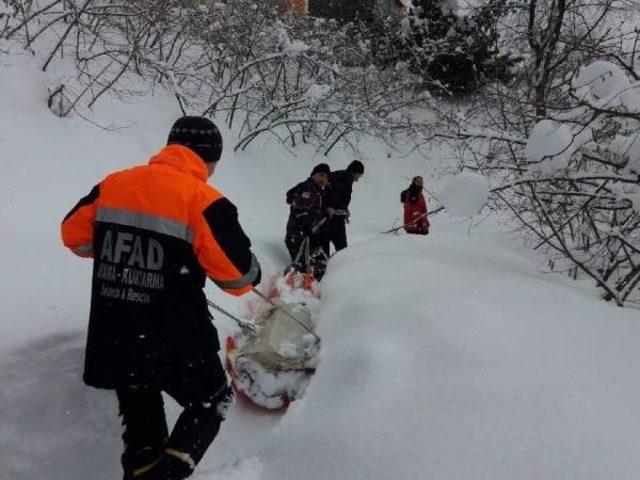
column 264, row 69
column 561, row 144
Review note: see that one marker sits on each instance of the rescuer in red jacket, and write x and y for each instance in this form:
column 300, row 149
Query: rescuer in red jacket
column 415, row 208
column 155, row 232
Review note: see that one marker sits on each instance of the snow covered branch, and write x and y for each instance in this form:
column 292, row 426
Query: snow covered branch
column 561, row 144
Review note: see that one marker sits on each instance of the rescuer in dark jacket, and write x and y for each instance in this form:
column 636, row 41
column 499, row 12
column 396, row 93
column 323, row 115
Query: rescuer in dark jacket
column 156, row 232
column 338, row 200
column 307, row 212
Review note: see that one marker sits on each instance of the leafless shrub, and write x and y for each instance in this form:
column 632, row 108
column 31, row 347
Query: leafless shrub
column 301, row 79
column 562, row 157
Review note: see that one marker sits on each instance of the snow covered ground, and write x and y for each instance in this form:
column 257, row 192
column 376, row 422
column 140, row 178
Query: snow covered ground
column 445, row 357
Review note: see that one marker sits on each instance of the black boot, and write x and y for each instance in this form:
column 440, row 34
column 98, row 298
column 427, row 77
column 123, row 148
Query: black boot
column 138, row 462
column 171, row 466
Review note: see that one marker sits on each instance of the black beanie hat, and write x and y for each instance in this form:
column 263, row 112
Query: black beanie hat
column 321, row 168
column 199, row 134
column 356, row 167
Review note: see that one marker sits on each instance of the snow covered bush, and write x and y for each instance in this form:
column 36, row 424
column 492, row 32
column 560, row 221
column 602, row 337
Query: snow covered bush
column 269, row 71
column 465, row 195
column 560, row 140
column 453, row 51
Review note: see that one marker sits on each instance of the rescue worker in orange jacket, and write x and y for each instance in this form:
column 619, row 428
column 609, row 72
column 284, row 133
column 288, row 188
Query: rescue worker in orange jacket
column 155, row 232
column 415, row 208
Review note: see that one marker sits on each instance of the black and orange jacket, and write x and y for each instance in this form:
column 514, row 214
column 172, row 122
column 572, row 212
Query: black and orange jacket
column 155, row 233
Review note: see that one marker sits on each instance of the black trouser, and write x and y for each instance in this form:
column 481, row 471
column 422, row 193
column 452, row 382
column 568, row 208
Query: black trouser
column 338, row 232
column 146, row 434
column 294, row 240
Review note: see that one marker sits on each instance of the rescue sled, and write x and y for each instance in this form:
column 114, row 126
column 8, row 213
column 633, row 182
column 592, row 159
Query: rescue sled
column 271, row 366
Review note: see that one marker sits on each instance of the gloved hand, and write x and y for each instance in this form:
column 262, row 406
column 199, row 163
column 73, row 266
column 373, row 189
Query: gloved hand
column 344, row 214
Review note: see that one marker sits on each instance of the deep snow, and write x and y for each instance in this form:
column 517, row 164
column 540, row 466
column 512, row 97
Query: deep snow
column 444, row 357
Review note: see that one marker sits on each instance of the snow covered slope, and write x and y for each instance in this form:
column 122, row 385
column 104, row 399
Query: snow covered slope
column 446, row 357
column 450, row 359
